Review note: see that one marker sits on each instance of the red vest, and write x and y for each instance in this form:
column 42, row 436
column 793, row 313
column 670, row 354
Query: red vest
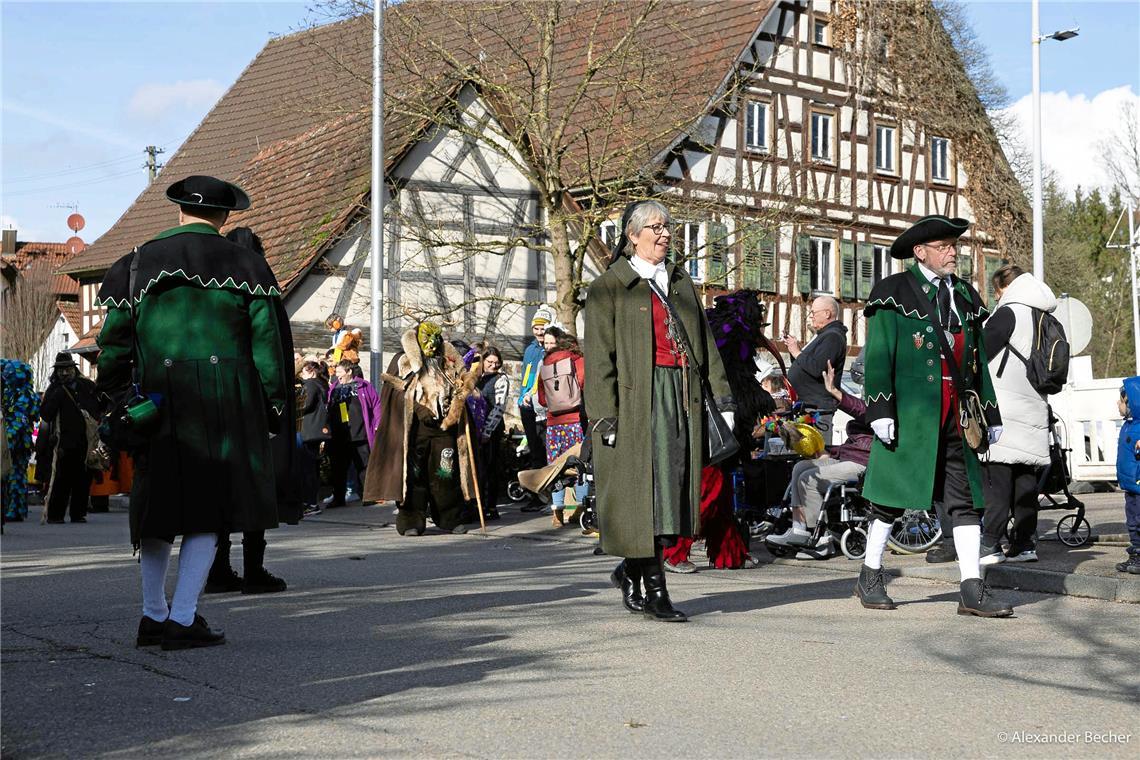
column 666, row 353
column 949, row 392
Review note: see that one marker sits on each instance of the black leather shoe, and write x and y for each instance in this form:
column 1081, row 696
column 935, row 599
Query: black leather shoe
column 872, row 591
column 978, row 600
column 627, row 577
column 657, row 603
column 261, row 581
column 150, row 632
column 223, row 583
column 198, row 634
column 941, row 553
column 79, row 519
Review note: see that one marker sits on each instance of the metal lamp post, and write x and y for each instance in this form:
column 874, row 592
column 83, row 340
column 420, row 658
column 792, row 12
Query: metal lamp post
column 376, row 234
column 1038, row 226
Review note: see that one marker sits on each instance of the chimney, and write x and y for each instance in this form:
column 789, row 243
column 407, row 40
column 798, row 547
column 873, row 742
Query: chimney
column 8, row 248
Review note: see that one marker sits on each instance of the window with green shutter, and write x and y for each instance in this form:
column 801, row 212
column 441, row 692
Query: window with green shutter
column 846, row 270
column 769, row 265
column 966, row 266
column 717, row 254
column 803, row 264
column 992, row 264
column 864, row 270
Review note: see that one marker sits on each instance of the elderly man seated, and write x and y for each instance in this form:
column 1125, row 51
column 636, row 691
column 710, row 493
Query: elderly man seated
column 811, row 477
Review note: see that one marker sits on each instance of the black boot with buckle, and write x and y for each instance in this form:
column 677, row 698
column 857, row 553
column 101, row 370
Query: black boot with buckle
column 627, row 577
column 657, row 603
column 978, row 600
column 872, row 591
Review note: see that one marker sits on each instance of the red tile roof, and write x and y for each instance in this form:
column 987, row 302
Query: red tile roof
column 294, row 129
column 73, row 314
column 51, row 256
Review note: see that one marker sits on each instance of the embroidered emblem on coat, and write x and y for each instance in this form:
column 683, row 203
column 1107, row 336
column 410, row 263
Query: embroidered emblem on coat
column 917, row 340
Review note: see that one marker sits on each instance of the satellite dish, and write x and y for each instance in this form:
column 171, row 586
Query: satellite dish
column 75, row 222
column 75, row 244
column 1077, row 320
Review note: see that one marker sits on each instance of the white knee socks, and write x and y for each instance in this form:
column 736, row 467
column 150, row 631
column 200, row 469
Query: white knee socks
column 194, row 559
column 154, row 559
column 968, row 542
column 876, row 543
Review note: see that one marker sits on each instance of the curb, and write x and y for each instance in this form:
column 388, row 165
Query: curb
column 1040, row 581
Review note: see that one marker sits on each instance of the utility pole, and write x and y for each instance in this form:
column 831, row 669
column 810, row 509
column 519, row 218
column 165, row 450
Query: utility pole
column 152, row 166
column 376, row 232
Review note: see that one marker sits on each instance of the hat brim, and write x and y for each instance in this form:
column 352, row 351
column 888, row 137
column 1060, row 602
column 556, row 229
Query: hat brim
column 925, row 230
column 177, row 193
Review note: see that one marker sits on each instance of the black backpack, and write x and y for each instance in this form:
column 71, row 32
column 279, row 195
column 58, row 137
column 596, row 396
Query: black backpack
column 1047, row 366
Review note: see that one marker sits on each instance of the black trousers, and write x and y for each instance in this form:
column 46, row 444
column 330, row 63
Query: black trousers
column 491, row 470
column 70, row 487
column 433, row 486
column 951, row 483
column 1010, row 487
column 535, row 437
column 343, row 452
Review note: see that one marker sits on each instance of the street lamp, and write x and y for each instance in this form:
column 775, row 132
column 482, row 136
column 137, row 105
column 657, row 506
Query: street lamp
column 1038, row 227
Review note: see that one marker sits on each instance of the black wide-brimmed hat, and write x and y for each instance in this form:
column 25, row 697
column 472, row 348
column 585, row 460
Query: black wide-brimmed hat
column 64, row 359
column 200, row 191
column 936, row 227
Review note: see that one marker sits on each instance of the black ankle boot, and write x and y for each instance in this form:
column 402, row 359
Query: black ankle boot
column 627, row 577
column 222, row 578
column 657, row 604
column 977, row 600
column 871, row 590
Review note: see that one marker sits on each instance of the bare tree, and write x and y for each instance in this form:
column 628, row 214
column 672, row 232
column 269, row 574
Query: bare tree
column 29, row 312
column 570, row 96
column 1121, row 153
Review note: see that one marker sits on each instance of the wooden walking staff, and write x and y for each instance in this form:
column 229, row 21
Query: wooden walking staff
column 474, row 471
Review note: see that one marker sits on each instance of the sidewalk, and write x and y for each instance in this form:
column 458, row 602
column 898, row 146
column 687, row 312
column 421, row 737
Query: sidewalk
column 1087, row 571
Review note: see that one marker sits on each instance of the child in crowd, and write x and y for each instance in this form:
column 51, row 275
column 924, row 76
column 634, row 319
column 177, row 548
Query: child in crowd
column 1128, row 469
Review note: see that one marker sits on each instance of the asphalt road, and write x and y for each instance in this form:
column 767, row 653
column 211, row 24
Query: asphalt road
column 516, row 646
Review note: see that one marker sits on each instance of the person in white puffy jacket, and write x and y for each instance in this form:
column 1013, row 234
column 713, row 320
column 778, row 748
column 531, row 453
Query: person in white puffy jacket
column 1010, row 475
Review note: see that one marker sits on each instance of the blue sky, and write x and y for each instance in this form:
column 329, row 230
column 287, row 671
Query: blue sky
column 86, row 86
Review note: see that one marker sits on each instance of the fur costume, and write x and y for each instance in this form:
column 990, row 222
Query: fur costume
column 434, row 390
column 348, row 347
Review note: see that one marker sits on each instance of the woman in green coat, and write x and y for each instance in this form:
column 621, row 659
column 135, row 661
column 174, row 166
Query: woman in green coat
column 644, row 402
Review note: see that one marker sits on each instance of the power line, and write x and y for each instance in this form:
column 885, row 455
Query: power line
column 72, row 170
column 70, row 185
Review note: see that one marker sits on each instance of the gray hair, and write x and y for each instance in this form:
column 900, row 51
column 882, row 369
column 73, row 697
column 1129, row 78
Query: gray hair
column 832, row 304
column 643, row 213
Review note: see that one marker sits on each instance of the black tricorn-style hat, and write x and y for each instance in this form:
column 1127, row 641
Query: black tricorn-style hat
column 936, row 227
column 200, row 191
column 64, row 359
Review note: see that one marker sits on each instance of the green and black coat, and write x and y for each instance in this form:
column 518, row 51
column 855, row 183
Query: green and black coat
column 211, row 351
column 903, row 382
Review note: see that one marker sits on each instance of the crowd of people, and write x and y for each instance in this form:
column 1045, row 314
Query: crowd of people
column 637, row 400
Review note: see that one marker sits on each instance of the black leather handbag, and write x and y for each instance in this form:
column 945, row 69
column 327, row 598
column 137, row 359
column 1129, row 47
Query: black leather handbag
column 722, row 443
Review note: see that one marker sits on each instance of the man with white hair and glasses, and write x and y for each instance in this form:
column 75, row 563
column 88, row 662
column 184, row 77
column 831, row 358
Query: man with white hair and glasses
column 809, row 363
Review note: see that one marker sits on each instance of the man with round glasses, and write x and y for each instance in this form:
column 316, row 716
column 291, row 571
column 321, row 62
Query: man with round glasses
column 920, row 454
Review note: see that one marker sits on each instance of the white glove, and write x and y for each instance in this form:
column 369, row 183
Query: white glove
column 729, row 418
column 995, row 433
column 884, row 429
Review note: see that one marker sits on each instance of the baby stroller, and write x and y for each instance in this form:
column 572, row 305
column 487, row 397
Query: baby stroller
column 1072, row 530
column 514, row 455
column 573, row 467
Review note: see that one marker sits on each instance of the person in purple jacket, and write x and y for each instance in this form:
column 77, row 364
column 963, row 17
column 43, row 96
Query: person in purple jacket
column 354, row 417
column 811, row 477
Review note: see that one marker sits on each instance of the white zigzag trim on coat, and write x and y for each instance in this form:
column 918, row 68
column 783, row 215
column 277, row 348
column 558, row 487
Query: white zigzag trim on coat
column 981, row 311
column 228, row 283
column 989, row 404
column 877, row 397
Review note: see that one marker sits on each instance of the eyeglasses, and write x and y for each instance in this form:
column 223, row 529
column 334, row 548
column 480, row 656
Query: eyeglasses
column 942, row 247
column 658, row 229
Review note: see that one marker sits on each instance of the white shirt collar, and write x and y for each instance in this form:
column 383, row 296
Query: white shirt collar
column 645, row 270
column 928, row 274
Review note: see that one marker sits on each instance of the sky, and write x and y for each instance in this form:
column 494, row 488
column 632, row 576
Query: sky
column 86, row 86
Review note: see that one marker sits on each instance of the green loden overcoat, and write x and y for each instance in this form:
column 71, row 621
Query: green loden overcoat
column 903, row 382
column 619, row 385
column 211, row 352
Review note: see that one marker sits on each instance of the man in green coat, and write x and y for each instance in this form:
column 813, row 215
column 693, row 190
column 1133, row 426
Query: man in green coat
column 919, row 454
column 643, row 394
column 197, row 314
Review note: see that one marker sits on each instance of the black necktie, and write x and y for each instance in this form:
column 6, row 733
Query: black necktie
column 945, row 312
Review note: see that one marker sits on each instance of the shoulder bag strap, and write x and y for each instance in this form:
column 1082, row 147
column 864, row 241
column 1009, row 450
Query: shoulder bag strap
column 131, row 308
column 947, row 350
column 688, row 346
